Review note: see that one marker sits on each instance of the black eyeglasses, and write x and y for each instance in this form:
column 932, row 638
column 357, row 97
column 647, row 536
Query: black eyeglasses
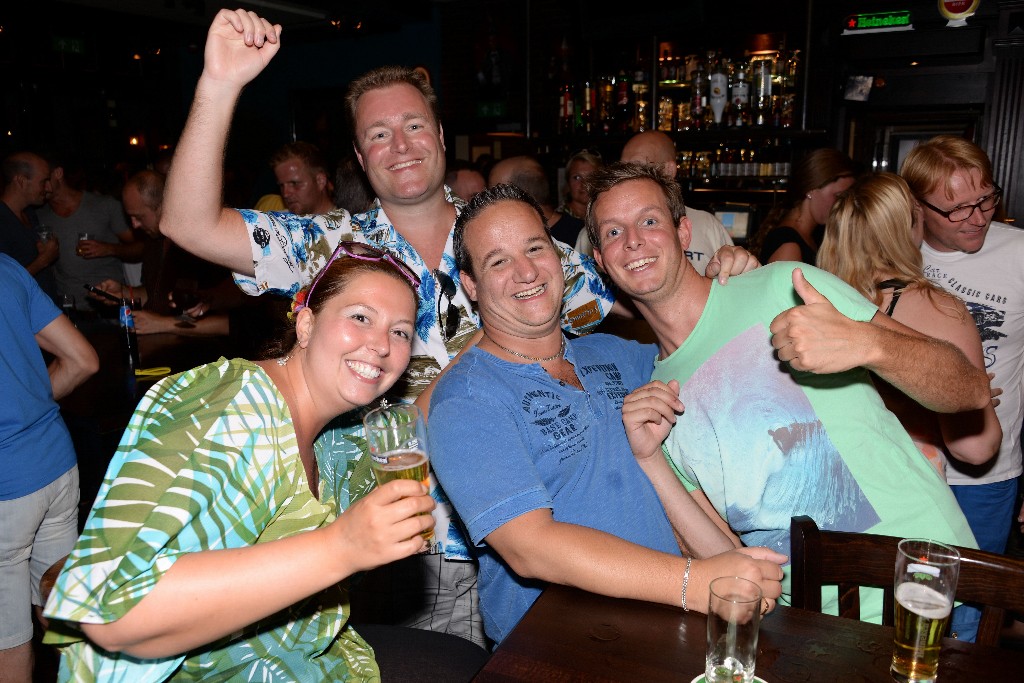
column 362, row 252
column 961, row 213
column 452, row 315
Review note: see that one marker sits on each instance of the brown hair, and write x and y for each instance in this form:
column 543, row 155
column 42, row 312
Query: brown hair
column 383, row 77
column 332, row 281
column 306, row 152
column 607, row 177
column 502, row 192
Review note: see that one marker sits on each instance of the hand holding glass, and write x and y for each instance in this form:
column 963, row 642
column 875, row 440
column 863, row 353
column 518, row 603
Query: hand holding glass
column 734, row 616
column 397, row 439
column 82, row 237
column 925, row 583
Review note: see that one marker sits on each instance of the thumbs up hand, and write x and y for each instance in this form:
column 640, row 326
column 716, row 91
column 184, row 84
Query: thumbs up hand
column 805, row 290
column 815, row 337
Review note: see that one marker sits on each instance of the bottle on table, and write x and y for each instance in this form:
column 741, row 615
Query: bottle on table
column 130, row 339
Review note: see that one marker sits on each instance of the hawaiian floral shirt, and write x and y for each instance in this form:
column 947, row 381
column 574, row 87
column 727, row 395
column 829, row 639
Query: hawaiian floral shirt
column 289, row 250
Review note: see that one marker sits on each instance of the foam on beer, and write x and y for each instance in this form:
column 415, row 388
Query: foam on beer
column 923, row 601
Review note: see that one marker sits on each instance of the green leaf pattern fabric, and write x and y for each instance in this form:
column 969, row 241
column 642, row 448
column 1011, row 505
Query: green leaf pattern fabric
column 209, row 461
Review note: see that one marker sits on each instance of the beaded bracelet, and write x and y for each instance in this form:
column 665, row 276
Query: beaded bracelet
column 686, row 582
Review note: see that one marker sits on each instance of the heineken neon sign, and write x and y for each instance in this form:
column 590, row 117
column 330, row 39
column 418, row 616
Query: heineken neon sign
column 878, row 22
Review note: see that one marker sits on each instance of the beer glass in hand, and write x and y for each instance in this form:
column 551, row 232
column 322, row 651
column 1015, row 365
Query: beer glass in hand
column 397, row 439
column 925, row 583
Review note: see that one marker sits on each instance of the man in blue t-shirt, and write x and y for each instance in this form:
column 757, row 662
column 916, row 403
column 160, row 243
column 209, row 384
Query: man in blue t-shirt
column 38, row 474
column 531, row 436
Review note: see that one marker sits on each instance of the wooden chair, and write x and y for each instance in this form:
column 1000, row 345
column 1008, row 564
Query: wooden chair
column 993, row 582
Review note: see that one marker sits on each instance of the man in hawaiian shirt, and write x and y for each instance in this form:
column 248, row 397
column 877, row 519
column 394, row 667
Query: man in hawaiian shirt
column 400, row 144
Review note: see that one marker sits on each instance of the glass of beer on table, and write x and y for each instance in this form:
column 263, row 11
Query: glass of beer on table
column 396, row 436
column 925, row 583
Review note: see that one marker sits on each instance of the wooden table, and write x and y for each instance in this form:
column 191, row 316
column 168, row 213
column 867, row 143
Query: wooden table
column 571, row 635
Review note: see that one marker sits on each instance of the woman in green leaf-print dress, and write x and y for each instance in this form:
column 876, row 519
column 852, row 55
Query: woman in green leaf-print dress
column 218, row 545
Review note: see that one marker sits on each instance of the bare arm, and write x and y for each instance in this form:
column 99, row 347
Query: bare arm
column 971, row 436
column 536, row 546
column 210, row 594
column 74, row 358
column 48, row 252
column 214, row 325
column 815, row 337
column 702, row 501
column 238, row 47
column 931, row 371
column 789, row 251
column 648, row 414
column 127, row 248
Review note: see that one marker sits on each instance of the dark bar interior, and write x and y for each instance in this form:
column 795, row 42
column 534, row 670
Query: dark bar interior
column 804, row 419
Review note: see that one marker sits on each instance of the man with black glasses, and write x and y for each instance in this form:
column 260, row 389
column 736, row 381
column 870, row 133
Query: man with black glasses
column 979, row 260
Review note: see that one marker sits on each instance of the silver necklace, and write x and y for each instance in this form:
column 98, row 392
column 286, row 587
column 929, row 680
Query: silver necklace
column 561, row 352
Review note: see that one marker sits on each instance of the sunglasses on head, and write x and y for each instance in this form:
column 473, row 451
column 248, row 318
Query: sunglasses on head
column 452, row 315
column 362, row 252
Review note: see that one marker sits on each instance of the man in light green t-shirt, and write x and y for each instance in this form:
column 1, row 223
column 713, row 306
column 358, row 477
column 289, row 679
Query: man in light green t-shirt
column 762, row 440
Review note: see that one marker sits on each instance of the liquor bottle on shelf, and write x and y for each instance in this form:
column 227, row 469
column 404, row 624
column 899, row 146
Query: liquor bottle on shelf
column 641, row 97
column 739, row 93
column 666, row 113
column 778, row 86
column 761, row 67
column 718, row 91
column 566, row 110
column 623, row 103
column 605, row 105
column 787, row 101
column 698, row 96
column 682, row 118
column 766, row 162
column 665, row 66
column 588, row 109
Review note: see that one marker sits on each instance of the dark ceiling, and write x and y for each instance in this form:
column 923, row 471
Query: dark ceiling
column 154, row 21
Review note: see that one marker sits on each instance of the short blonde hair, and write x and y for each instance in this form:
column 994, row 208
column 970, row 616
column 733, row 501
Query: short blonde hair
column 932, row 164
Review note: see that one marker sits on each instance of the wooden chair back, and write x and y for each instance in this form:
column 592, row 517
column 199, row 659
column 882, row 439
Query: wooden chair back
column 995, row 583
column 46, row 582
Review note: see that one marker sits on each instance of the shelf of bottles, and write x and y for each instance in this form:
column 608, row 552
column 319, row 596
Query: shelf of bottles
column 732, row 117
column 718, row 92
column 738, row 163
